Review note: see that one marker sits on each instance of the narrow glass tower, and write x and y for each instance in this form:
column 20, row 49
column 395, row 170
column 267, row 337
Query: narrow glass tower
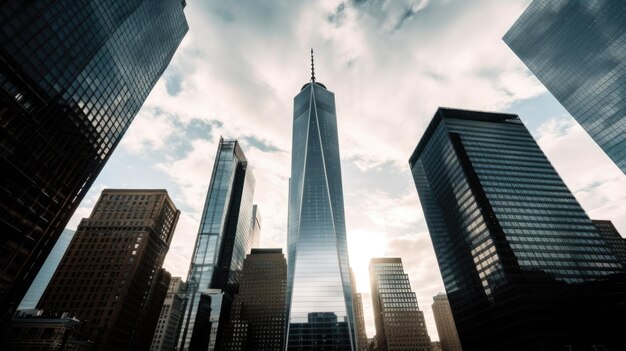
column 224, row 238
column 319, row 294
column 576, row 49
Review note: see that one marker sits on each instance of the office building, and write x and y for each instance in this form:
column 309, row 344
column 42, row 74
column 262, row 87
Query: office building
column 361, row 337
column 617, row 244
column 110, row 276
column 576, row 49
column 258, row 317
column 399, row 322
column 42, row 279
column 448, row 336
column 362, row 344
column 154, row 302
column 225, row 236
column 166, row 332
column 73, row 75
column 319, row 292
column 517, row 253
column 437, row 346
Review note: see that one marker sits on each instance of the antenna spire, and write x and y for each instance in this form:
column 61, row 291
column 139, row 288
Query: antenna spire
column 312, row 67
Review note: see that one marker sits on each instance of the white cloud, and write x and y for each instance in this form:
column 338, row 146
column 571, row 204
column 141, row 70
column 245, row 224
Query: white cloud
column 242, row 62
column 595, row 180
column 151, row 129
column 192, row 173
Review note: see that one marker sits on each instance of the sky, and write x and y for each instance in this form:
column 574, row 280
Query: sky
column 390, row 65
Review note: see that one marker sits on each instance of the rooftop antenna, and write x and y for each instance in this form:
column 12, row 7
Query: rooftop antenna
column 312, row 67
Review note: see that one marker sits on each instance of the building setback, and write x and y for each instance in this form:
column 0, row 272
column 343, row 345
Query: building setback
column 166, row 332
column 42, row 279
column 73, row 75
column 518, row 255
column 257, row 320
column 576, row 49
column 399, row 322
column 226, row 234
column 448, row 336
column 110, row 276
column 319, row 293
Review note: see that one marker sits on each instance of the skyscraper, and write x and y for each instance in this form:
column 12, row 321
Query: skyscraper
column 399, row 322
column 319, row 294
column 617, row 244
column 111, row 276
column 576, row 49
column 166, row 331
column 517, row 253
column 258, row 316
column 73, row 75
column 40, row 283
column 359, row 319
column 444, row 320
column 225, row 236
column 150, row 317
column 361, row 334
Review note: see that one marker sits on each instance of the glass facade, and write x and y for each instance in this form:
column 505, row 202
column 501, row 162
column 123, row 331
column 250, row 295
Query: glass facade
column 577, row 49
column 319, row 292
column 617, row 243
column 399, row 322
column 73, row 75
column 46, row 272
column 517, row 253
column 225, row 236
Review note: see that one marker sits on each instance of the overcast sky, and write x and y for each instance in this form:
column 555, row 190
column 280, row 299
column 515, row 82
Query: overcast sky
column 390, row 65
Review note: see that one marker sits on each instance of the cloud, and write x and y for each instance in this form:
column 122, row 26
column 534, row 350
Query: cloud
column 150, row 130
column 390, row 64
column 192, row 173
column 595, row 180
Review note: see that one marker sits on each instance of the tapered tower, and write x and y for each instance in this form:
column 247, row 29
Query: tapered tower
column 319, row 294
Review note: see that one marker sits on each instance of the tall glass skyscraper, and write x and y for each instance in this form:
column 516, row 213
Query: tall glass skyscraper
column 73, row 75
column 225, row 236
column 319, row 292
column 523, row 265
column 576, row 49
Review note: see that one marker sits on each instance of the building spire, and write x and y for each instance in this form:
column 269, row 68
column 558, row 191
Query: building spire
column 312, row 67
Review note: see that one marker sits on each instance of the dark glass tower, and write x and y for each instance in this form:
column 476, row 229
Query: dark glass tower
column 522, row 263
column 576, row 49
column 226, row 234
column 399, row 322
column 319, row 293
column 73, row 75
column 617, row 243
